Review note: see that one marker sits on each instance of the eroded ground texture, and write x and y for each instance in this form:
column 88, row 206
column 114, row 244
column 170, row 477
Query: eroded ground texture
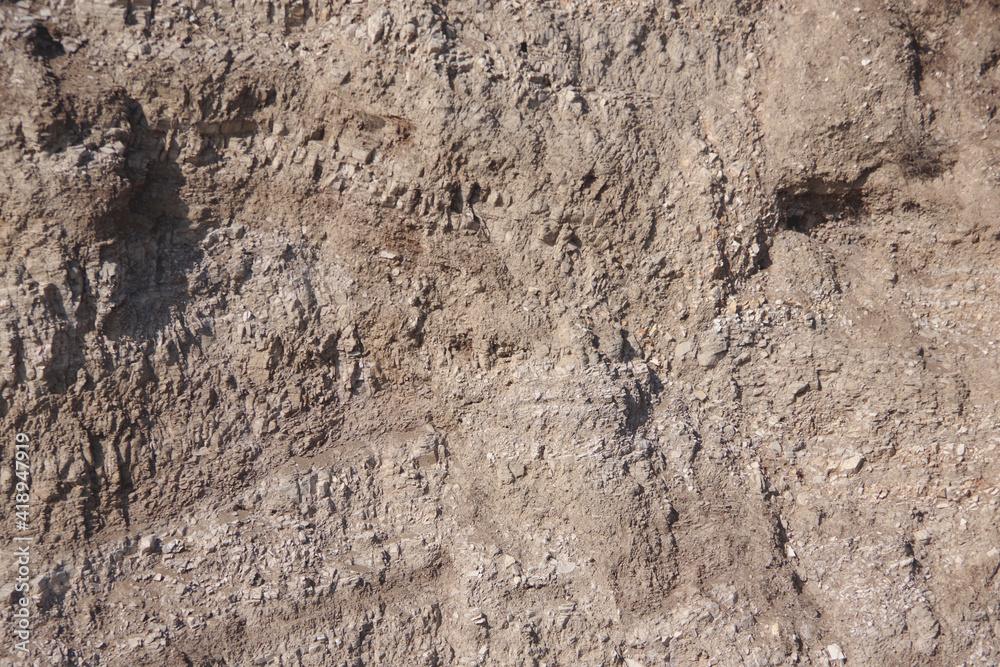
column 501, row 333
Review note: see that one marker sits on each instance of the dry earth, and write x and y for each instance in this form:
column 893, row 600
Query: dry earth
column 501, row 333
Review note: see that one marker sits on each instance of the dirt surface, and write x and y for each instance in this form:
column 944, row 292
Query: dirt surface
column 500, row 333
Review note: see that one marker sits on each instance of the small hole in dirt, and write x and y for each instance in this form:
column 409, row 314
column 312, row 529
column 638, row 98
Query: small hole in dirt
column 475, row 194
column 796, row 223
column 457, row 202
column 42, row 42
column 805, row 210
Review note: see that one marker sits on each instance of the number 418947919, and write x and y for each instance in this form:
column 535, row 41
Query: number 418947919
column 23, row 474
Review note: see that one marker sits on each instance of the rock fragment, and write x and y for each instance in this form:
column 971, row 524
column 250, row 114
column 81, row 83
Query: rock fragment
column 851, row 464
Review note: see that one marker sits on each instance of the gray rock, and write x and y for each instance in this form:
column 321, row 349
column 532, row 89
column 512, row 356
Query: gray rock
column 149, row 544
column 851, row 465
